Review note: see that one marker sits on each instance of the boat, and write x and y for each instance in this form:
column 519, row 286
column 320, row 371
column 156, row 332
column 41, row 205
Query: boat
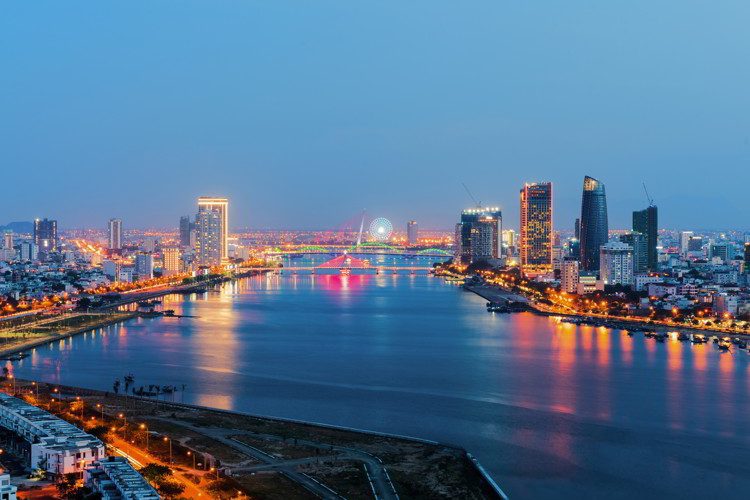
column 682, row 336
column 630, row 333
column 724, row 347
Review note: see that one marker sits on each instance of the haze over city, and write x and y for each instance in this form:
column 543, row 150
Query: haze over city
column 303, row 114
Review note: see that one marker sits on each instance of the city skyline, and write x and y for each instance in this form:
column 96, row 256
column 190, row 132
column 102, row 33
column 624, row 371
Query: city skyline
column 219, row 115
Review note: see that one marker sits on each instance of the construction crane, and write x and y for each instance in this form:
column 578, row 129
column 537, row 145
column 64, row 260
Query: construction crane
column 648, row 196
column 478, row 203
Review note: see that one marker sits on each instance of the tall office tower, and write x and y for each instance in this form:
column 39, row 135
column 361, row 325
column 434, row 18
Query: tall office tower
column 144, row 266
column 412, row 232
column 569, row 275
column 747, row 257
column 478, row 234
column 577, row 229
column 685, row 241
column 640, row 252
column 646, row 222
column 535, row 247
column 594, row 224
column 114, row 232
column 574, row 249
column 172, row 260
column 8, row 240
column 616, row 263
column 186, row 226
column 208, row 238
column 218, row 206
column 45, row 235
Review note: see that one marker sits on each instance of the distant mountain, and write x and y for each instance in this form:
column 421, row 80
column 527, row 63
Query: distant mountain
column 19, row 227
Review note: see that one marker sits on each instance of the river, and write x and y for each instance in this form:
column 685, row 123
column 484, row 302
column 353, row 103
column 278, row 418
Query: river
column 552, row 410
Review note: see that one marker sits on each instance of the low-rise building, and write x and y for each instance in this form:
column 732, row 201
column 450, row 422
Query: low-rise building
column 7, row 490
column 55, row 446
column 115, row 479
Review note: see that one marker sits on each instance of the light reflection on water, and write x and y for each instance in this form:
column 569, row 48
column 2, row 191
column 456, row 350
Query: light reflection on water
column 551, row 409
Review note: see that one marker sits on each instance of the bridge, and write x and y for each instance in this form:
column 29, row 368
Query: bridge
column 348, row 270
column 366, row 248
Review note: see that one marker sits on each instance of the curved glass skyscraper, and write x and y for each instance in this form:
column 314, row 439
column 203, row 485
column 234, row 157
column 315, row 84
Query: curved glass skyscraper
column 594, row 224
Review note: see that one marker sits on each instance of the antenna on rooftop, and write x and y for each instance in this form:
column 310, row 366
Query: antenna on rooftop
column 648, row 196
column 478, row 203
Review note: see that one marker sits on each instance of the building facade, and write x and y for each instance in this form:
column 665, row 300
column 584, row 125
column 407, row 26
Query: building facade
column 171, row 260
column 412, row 232
column 186, row 227
column 640, row 251
column 212, row 227
column 478, row 235
column 616, row 264
column 594, row 223
column 45, row 235
column 535, row 248
column 646, row 222
column 569, row 270
column 114, row 233
column 115, row 479
column 144, row 266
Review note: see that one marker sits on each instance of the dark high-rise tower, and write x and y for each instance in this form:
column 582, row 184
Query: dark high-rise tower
column 45, row 235
column 536, row 228
column 594, row 224
column 646, row 222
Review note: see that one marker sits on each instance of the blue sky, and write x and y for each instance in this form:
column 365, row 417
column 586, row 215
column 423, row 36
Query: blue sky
column 303, row 113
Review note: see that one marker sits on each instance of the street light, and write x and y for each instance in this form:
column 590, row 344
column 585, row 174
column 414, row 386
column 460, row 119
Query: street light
column 101, row 407
column 166, row 439
column 125, row 418
column 145, row 427
column 193, row 454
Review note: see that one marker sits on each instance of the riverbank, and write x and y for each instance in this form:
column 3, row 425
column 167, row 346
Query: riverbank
column 262, row 455
column 496, row 294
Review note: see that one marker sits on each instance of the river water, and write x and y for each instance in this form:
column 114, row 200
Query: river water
column 551, row 410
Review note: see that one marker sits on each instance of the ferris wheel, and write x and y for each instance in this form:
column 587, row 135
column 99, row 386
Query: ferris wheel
column 381, row 229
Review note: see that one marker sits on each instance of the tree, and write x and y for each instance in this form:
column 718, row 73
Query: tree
column 170, row 489
column 67, row 484
column 156, row 473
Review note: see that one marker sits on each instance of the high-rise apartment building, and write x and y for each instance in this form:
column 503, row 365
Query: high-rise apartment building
column 114, row 233
column 646, row 222
column 171, row 260
column 45, row 235
column 569, row 270
column 640, row 251
column 695, row 244
column 535, row 248
column 220, row 207
column 747, row 258
column 412, row 232
column 186, row 227
column 144, row 266
column 616, row 263
column 8, row 240
column 478, row 234
column 720, row 251
column 208, row 238
column 28, row 251
column 594, row 223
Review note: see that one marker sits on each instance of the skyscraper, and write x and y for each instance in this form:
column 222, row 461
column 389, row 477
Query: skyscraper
column 646, row 222
column 171, row 260
column 8, row 240
column 478, row 234
column 208, row 238
column 685, row 241
column 45, row 235
column 536, row 228
column 114, row 232
column 186, row 226
column 594, row 224
column 412, row 232
column 569, row 275
column 144, row 266
column 219, row 206
column 747, row 258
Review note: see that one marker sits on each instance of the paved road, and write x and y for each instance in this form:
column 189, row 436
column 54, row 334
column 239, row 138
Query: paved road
column 381, row 483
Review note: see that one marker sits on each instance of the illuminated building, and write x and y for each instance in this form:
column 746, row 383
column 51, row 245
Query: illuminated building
column 747, row 258
column 45, row 235
column 594, row 224
column 646, row 222
column 535, row 247
column 172, row 260
column 412, row 232
column 114, row 233
column 616, row 264
column 569, row 270
column 478, row 234
column 111, row 269
column 719, row 251
column 29, row 251
column 144, row 266
column 212, row 226
column 685, row 241
column 640, row 251
column 8, row 240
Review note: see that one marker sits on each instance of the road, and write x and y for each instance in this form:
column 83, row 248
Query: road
column 139, row 458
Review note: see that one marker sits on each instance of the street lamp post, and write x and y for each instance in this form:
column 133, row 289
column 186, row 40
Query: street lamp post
column 145, row 430
column 125, row 418
column 166, row 439
column 193, row 454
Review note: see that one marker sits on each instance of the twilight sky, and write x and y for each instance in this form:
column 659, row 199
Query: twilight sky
column 303, row 113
